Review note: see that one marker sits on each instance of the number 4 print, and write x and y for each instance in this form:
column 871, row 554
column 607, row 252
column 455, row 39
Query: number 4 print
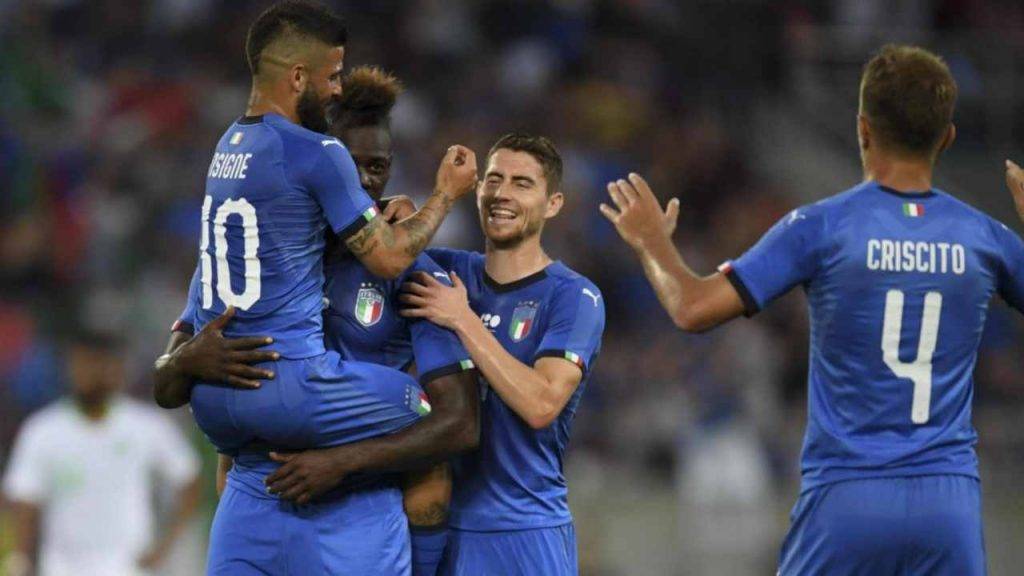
column 920, row 370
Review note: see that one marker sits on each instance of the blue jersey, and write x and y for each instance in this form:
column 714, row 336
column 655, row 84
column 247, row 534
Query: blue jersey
column 271, row 189
column 898, row 287
column 362, row 321
column 515, row 479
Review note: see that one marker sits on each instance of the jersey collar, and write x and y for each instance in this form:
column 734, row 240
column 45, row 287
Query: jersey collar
column 914, row 194
column 516, row 284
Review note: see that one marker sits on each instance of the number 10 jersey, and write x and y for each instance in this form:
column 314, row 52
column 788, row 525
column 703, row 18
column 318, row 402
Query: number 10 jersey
column 271, row 190
column 898, row 286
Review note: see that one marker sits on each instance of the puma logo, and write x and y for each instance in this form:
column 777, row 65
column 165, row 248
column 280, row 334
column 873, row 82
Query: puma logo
column 592, row 295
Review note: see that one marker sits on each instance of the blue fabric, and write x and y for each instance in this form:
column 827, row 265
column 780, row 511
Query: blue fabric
column 857, row 255
column 902, row 526
column 313, row 402
column 272, row 189
column 428, row 545
column 363, row 533
column 386, row 338
column 536, row 552
column 515, row 479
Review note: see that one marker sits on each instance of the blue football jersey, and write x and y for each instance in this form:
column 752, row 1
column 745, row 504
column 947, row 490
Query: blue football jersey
column 271, row 190
column 898, row 287
column 362, row 321
column 515, row 479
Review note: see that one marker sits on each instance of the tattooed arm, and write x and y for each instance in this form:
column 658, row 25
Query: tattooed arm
column 388, row 249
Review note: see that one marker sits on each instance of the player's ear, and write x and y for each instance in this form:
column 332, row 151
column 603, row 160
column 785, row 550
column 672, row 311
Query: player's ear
column 948, row 139
column 863, row 132
column 298, row 76
column 555, row 202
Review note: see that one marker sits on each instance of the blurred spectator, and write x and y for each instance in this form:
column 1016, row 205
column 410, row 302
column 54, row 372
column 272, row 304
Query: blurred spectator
column 81, row 476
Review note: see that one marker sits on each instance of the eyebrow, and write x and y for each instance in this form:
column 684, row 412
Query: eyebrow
column 517, row 178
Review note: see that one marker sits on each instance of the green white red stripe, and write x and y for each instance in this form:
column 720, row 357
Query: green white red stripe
column 520, row 327
column 574, row 358
column 422, row 405
column 367, row 310
column 370, row 213
column 913, row 209
column 467, row 364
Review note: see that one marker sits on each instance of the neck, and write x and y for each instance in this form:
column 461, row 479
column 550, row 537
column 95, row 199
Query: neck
column 94, row 411
column 900, row 174
column 263, row 101
column 508, row 264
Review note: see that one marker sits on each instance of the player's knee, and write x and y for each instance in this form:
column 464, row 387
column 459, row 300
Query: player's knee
column 427, row 497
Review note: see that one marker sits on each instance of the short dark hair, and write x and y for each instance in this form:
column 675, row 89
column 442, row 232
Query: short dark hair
column 367, row 96
column 543, row 151
column 300, row 17
column 908, row 95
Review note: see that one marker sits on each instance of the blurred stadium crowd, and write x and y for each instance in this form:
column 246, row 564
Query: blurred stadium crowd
column 743, row 109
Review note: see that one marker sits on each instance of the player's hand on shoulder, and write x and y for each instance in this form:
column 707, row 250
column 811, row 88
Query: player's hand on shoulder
column 304, row 476
column 637, row 216
column 456, row 176
column 397, row 208
column 426, row 297
column 1015, row 182
column 211, row 357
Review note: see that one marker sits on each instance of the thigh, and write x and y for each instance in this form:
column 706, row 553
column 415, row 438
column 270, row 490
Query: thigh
column 246, row 536
column 359, row 400
column 365, row 532
column 538, row 552
column 945, row 526
column 852, row 528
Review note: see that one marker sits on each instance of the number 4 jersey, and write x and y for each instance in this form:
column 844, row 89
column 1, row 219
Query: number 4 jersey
column 271, row 189
column 898, row 286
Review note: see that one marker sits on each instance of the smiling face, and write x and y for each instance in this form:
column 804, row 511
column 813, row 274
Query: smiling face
column 513, row 198
column 322, row 86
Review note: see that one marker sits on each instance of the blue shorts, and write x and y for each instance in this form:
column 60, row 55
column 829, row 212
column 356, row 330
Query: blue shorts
column 366, row 532
column 312, row 402
column 536, row 552
column 887, row 527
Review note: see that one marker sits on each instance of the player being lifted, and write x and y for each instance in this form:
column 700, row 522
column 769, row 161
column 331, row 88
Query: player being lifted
column 898, row 277
column 533, row 328
column 273, row 185
column 363, row 529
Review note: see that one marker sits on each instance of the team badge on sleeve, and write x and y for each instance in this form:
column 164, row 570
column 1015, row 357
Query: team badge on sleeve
column 522, row 320
column 369, row 305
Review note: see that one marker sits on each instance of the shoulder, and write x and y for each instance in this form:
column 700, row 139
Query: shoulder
column 142, row 416
column 462, row 261
column 47, row 422
column 573, row 286
column 973, row 213
column 296, row 134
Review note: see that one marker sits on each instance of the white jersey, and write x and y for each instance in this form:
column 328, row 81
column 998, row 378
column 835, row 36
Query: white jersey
column 93, row 482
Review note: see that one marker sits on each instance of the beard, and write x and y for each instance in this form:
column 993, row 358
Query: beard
column 312, row 112
column 532, row 228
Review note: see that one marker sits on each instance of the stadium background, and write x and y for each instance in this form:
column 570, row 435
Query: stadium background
column 684, row 456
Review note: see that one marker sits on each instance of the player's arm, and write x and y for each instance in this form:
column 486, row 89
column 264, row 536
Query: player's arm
column 1015, row 183
column 21, row 558
column 210, row 357
column 388, row 249
column 537, row 393
column 695, row 303
column 451, row 427
column 224, row 465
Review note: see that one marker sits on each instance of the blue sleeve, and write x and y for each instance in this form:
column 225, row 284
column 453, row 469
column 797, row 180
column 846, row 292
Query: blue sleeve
column 334, row 181
column 574, row 325
column 1011, row 272
column 789, row 254
column 187, row 321
column 438, row 351
column 446, row 258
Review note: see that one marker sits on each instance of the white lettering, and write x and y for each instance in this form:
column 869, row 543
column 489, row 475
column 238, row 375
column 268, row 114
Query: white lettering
column 916, row 256
column 229, row 166
column 873, row 247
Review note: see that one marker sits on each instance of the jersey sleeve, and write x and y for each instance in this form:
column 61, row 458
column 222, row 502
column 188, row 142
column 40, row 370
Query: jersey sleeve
column 786, row 256
column 186, row 322
column 575, row 324
column 173, row 457
column 334, row 181
column 1011, row 272
column 25, row 480
column 438, row 351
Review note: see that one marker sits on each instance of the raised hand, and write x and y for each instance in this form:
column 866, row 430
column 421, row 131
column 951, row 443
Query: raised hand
column 211, row 357
column 457, row 174
column 637, row 216
column 397, row 208
column 1015, row 182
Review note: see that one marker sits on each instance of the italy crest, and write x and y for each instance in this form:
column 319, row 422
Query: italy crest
column 522, row 320
column 369, row 305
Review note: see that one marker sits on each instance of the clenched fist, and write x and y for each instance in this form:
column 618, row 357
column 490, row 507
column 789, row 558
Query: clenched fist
column 457, row 174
